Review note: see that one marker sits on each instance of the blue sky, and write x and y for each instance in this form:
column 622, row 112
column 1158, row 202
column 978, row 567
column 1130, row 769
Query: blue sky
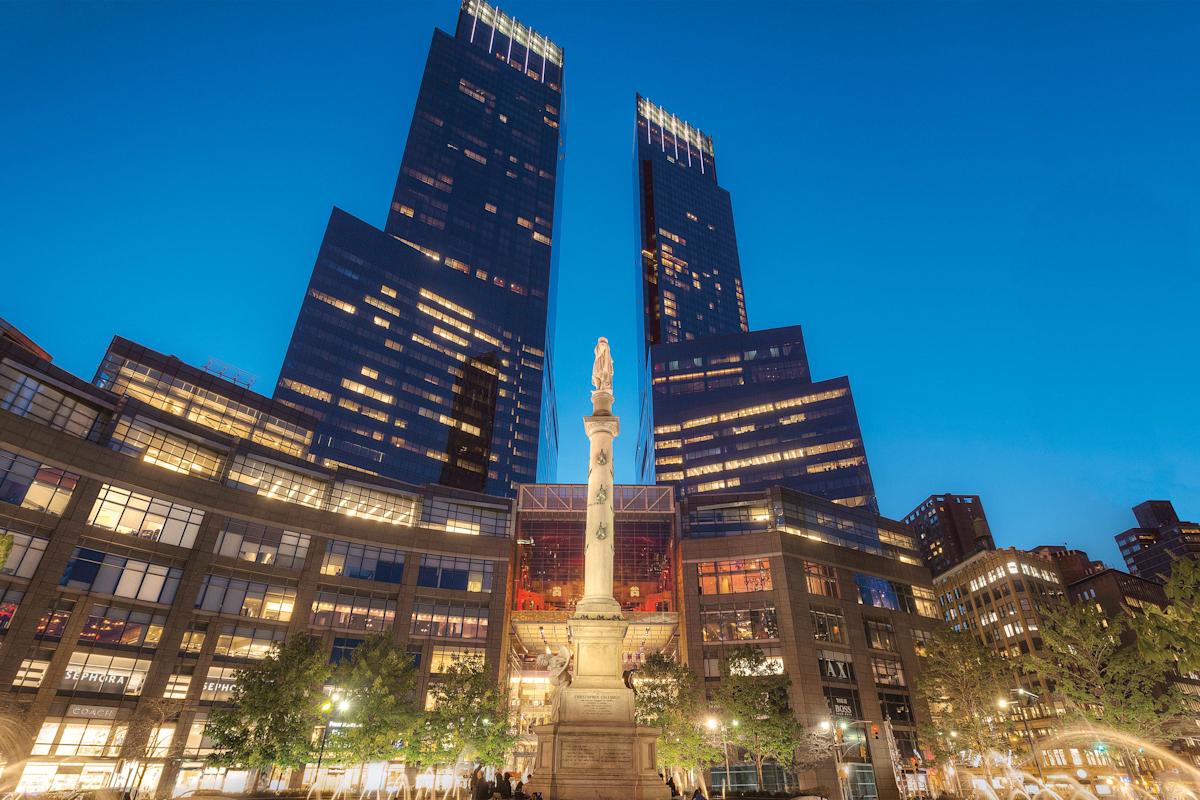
column 985, row 214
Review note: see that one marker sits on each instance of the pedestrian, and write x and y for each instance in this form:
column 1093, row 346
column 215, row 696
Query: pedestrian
column 671, row 786
column 698, row 795
column 503, row 786
column 482, row 790
column 519, row 790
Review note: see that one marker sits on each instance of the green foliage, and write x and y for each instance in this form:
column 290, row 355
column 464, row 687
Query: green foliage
column 1171, row 636
column 378, row 684
column 274, row 707
column 961, row 682
column 755, row 694
column 6, row 546
column 470, row 718
column 1096, row 668
column 667, row 696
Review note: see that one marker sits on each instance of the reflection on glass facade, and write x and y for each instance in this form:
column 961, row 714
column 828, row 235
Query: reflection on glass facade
column 799, row 514
column 740, row 412
column 550, row 529
column 424, row 348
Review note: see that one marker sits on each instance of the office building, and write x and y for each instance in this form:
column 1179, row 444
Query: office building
column 838, row 598
column 424, row 349
column 1001, row 597
column 1159, row 538
column 1070, row 564
column 950, row 528
column 171, row 528
column 738, row 412
column 722, row 408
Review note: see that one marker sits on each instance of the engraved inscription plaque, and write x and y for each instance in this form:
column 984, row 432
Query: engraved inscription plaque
column 594, row 752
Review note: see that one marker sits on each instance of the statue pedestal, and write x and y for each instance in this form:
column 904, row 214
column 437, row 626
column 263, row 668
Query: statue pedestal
column 594, row 750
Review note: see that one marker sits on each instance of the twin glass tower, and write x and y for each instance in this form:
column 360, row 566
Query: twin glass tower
column 425, row 348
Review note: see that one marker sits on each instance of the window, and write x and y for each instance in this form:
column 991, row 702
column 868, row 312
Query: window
column 78, row 737
column 52, row 624
column 25, row 555
column 25, row 396
column 922, row 640
column 109, row 573
column 821, row 579
column 31, row 484
column 246, row 598
column 730, row 577
column 141, row 439
column 146, row 517
column 715, row 657
column 363, row 612
column 746, row 623
column 356, row 500
column 448, row 572
column 445, row 655
column 219, row 685
column 876, row 592
column 880, row 634
column 835, row 666
column 32, row 671
column 261, row 544
column 465, row 518
column 363, row 561
column 179, row 682
column 924, row 602
column 10, row 601
column 122, row 626
column 442, row 619
column 843, row 702
column 896, row 707
column 887, row 671
column 343, row 649
column 268, row 479
column 247, row 641
column 104, row 674
column 828, row 626
column 193, row 637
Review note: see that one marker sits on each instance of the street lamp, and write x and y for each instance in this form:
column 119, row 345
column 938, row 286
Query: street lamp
column 1003, row 703
column 714, row 724
column 343, row 705
column 839, row 743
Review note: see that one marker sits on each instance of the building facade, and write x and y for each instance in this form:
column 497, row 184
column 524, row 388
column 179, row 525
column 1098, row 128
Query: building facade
column 722, row 408
column 424, row 349
column 1001, row 597
column 1159, row 538
column 950, row 528
column 838, row 598
column 166, row 535
column 548, row 582
column 739, row 413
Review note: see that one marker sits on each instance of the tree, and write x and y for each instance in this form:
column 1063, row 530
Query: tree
column 377, row 683
column 754, row 691
column 1171, row 636
column 469, row 718
column 668, row 697
column 273, row 710
column 1098, row 671
column 142, row 736
column 961, row 681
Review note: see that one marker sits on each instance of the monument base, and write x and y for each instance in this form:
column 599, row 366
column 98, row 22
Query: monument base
column 597, row 761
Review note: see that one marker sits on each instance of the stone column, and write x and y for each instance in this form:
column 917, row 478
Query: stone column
column 601, row 428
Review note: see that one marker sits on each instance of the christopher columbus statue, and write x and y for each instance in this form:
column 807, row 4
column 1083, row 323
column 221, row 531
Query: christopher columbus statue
column 602, row 368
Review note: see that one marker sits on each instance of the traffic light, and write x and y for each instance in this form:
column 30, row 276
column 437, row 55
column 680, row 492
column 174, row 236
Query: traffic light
column 875, row 732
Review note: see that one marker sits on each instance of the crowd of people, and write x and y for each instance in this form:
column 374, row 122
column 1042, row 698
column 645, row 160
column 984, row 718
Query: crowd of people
column 505, row 785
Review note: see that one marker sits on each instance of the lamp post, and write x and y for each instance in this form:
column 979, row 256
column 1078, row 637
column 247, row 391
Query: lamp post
column 839, row 743
column 331, row 707
column 1003, row 704
column 714, row 724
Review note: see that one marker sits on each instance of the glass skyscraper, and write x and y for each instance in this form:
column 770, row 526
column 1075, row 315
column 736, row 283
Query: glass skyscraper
column 722, row 407
column 424, row 349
